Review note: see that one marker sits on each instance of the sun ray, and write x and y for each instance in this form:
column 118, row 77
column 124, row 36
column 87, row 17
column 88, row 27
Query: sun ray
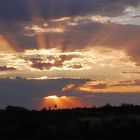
column 41, row 41
column 5, row 45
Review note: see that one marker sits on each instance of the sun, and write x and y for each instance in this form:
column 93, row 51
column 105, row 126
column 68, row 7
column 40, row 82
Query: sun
column 54, row 101
column 51, row 97
column 61, row 102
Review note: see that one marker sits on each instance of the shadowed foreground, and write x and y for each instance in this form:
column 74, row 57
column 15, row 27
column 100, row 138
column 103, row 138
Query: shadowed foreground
column 17, row 123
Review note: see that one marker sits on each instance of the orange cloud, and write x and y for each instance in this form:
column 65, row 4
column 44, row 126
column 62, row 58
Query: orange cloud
column 68, row 87
column 121, row 86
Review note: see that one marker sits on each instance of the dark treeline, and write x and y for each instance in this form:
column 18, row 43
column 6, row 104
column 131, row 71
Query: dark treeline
column 107, row 122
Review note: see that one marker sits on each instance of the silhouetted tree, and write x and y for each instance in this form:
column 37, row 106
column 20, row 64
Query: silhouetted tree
column 55, row 106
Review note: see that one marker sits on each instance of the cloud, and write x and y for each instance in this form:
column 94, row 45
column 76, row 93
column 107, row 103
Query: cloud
column 128, row 83
column 84, row 36
column 131, row 73
column 89, row 34
column 76, row 66
column 5, row 68
column 91, row 26
column 17, row 10
column 68, row 87
column 28, row 93
column 90, row 29
column 32, row 30
column 41, row 65
column 127, row 86
column 115, row 36
column 92, row 85
column 52, row 61
column 100, row 86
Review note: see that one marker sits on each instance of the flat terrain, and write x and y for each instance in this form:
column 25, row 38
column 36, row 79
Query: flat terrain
column 17, row 123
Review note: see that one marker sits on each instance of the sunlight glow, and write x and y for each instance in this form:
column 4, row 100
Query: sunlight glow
column 61, row 102
column 51, row 97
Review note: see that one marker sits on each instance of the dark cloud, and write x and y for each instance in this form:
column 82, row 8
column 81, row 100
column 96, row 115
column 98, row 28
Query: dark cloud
column 5, row 68
column 58, row 61
column 27, row 93
column 41, row 65
column 20, row 10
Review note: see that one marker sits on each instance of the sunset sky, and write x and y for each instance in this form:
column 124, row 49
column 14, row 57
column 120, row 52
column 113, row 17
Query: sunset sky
column 72, row 53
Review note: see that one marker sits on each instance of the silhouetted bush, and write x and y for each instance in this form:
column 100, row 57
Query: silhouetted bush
column 15, row 108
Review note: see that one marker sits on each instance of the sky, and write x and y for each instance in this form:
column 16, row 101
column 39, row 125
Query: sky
column 72, row 53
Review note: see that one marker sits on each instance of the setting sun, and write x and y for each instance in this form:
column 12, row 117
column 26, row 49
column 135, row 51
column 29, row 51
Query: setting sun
column 51, row 97
column 61, row 102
